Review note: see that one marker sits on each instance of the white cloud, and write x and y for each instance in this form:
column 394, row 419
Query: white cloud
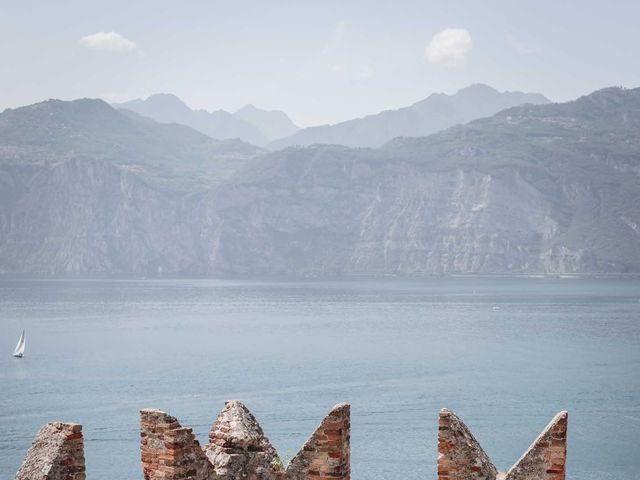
column 107, row 41
column 449, row 47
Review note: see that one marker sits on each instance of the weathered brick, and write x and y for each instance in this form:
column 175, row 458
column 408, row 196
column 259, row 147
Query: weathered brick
column 546, row 457
column 57, row 453
column 326, row 455
column 460, row 456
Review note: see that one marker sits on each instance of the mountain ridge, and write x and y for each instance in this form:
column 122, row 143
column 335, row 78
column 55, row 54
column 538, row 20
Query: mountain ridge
column 533, row 189
column 272, row 123
column 461, row 201
column 250, row 124
column 436, row 112
column 56, row 130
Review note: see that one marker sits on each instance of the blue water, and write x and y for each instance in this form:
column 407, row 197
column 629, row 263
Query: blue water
column 505, row 354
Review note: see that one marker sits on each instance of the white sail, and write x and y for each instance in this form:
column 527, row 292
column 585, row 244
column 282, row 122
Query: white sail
column 19, row 351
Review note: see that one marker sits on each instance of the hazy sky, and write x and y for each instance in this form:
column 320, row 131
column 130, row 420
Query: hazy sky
column 321, row 61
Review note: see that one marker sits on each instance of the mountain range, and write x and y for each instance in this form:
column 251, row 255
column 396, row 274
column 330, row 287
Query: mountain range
column 275, row 130
column 249, row 124
column 436, row 112
column 55, row 131
column 554, row 188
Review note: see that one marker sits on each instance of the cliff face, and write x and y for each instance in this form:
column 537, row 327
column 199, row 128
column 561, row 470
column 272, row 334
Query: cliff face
column 550, row 188
column 352, row 216
column 88, row 216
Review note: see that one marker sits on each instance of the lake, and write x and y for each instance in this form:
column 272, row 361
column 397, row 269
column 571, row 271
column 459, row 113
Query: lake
column 505, row 354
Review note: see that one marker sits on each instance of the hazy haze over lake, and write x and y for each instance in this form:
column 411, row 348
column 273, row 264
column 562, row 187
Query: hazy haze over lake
column 505, row 354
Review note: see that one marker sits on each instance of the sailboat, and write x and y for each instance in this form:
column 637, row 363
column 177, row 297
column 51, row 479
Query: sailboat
column 19, row 351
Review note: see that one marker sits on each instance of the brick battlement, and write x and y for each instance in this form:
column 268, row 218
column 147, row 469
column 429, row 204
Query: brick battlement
column 57, row 453
column 460, row 456
column 239, row 450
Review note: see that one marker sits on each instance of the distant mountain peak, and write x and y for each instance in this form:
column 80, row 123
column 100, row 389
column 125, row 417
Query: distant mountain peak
column 477, row 88
column 250, row 123
column 249, row 107
column 76, row 103
column 155, row 103
column 56, row 109
column 436, row 112
column 166, row 97
column 273, row 124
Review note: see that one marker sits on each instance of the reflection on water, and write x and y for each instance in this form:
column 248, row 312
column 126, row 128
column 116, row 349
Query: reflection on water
column 506, row 354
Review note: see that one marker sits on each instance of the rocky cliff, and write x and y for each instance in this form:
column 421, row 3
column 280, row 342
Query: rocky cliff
column 548, row 188
column 551, row 189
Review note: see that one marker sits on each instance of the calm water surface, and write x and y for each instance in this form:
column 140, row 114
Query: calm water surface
column 505, row 354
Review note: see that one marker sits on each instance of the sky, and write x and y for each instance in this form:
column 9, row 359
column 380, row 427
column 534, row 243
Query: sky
column 320, row 62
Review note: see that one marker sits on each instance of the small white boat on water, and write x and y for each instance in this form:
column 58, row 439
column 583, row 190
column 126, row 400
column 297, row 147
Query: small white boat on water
column 19, row 351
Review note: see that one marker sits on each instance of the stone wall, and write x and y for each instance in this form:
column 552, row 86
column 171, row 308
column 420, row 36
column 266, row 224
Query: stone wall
column 239, row 450
column 546, row 457
column 170, row 451
column 57, row 453
column 460, row 456
column 326, row 455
